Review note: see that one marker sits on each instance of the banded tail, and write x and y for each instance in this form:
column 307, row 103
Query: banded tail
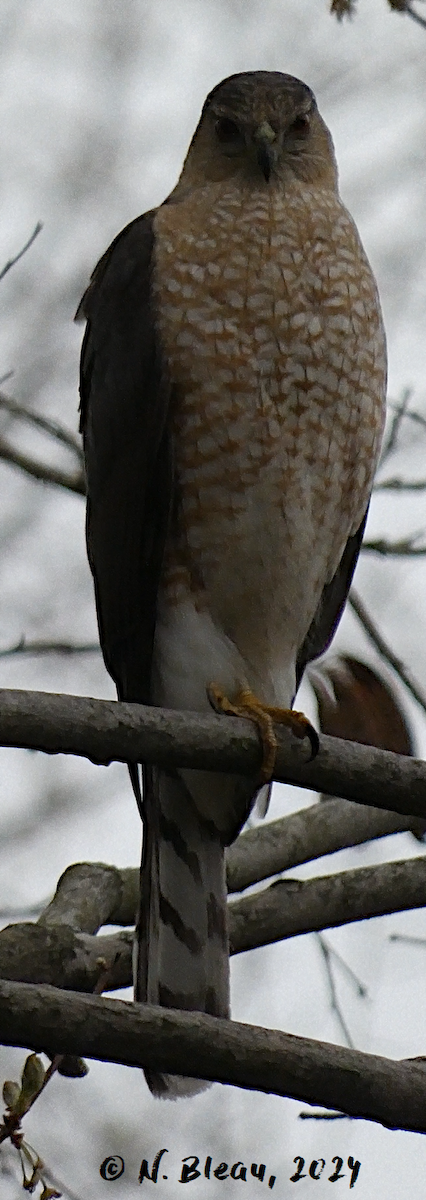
column 182, row 957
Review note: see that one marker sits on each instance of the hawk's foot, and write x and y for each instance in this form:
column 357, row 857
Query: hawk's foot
column 246, row 704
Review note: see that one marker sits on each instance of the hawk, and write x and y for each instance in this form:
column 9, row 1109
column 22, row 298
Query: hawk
column 232, row 405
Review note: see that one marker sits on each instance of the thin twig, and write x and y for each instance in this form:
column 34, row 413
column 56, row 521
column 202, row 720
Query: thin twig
column 334, row 1002
column 411, row 415
column 400, row 411
column 347, row 8
column 402, row 937
column 37, row 470
column 47, row 424
column 63, row 1188
column 360, row 987
column 324, row 1116
column 415, row 16
column 417, row 418
column 11, row 262
column 405, row 548
column 41, row 647
column 384, row 649
column 401, row 485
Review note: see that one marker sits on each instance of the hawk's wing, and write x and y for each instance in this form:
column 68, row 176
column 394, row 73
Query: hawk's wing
column 124, row 408
column 331, row 605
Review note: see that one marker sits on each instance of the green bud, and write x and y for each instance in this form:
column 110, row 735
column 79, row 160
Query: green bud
column 32, row 1080
column 11, row 1092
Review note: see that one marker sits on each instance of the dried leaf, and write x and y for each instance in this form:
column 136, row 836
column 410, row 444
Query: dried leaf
column 355, row 703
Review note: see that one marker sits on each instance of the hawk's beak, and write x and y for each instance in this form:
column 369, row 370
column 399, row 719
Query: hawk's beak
column 264, row 138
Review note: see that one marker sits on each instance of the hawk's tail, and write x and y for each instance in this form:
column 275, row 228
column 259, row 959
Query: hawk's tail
column 182, row 958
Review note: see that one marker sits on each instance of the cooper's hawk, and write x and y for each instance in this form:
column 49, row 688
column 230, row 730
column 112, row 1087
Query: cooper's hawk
column 232, row 386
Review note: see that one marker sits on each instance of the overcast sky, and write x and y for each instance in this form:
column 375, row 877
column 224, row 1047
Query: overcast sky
column 99, row 99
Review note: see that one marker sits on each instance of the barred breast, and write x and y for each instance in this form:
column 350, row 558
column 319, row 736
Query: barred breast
column 270, row 323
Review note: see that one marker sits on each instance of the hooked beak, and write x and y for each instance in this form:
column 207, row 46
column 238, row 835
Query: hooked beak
column 264, row 138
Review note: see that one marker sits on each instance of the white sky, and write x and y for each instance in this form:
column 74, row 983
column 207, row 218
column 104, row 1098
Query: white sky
column 99, row 100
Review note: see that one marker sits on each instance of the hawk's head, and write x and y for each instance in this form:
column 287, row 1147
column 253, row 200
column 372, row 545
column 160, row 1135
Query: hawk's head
column 261, row 126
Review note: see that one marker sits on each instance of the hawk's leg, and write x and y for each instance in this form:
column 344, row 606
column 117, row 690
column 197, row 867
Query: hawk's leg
column 246, row 704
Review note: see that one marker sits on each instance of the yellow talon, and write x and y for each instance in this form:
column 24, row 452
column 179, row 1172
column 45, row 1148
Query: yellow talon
column 246, row 704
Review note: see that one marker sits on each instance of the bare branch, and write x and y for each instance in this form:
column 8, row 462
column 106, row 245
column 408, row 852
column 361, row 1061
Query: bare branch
column 159, row 1039
column 401, row 485
column 324, row 1116
column 63, row 1188
column 404, row 548
column 32, row 466
column 334, row 1001
column 322, row 829
column 11, row 262
column 404, row 937
column 47, row 424
column 290, row 907
column 347, row 970
column 89, row 895
column 57, row 951
column 415, row 15
column 385, row 650
column 41, row 647
column 108, row 730
column 58, row 955
column 400, row 411
column 417, row 418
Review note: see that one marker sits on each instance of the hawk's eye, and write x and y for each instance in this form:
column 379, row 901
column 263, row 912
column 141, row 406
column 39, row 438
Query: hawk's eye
column 227, row 131
column 300, row 125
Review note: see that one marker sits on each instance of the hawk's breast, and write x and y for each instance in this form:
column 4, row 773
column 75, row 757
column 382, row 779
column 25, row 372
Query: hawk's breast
column 270, row 323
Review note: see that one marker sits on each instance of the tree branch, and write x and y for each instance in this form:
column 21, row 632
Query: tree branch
column 327, row 955
column 107, row 730
column 266, row 1060
column 385, row 650
column 45, row 647
column 38, row 470
column 290, row 907
column 347, row 8
column 32, row 953
column 415, row 15
column 401, row 485
column 11, row 261
column 405, row 548
column 309, row 834
column 89, row 895
column 47, row 424
column 62, row 948
column 402, row 412
column 391, row 438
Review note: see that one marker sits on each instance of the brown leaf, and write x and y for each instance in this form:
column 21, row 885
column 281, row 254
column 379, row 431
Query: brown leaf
column 355, row 703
